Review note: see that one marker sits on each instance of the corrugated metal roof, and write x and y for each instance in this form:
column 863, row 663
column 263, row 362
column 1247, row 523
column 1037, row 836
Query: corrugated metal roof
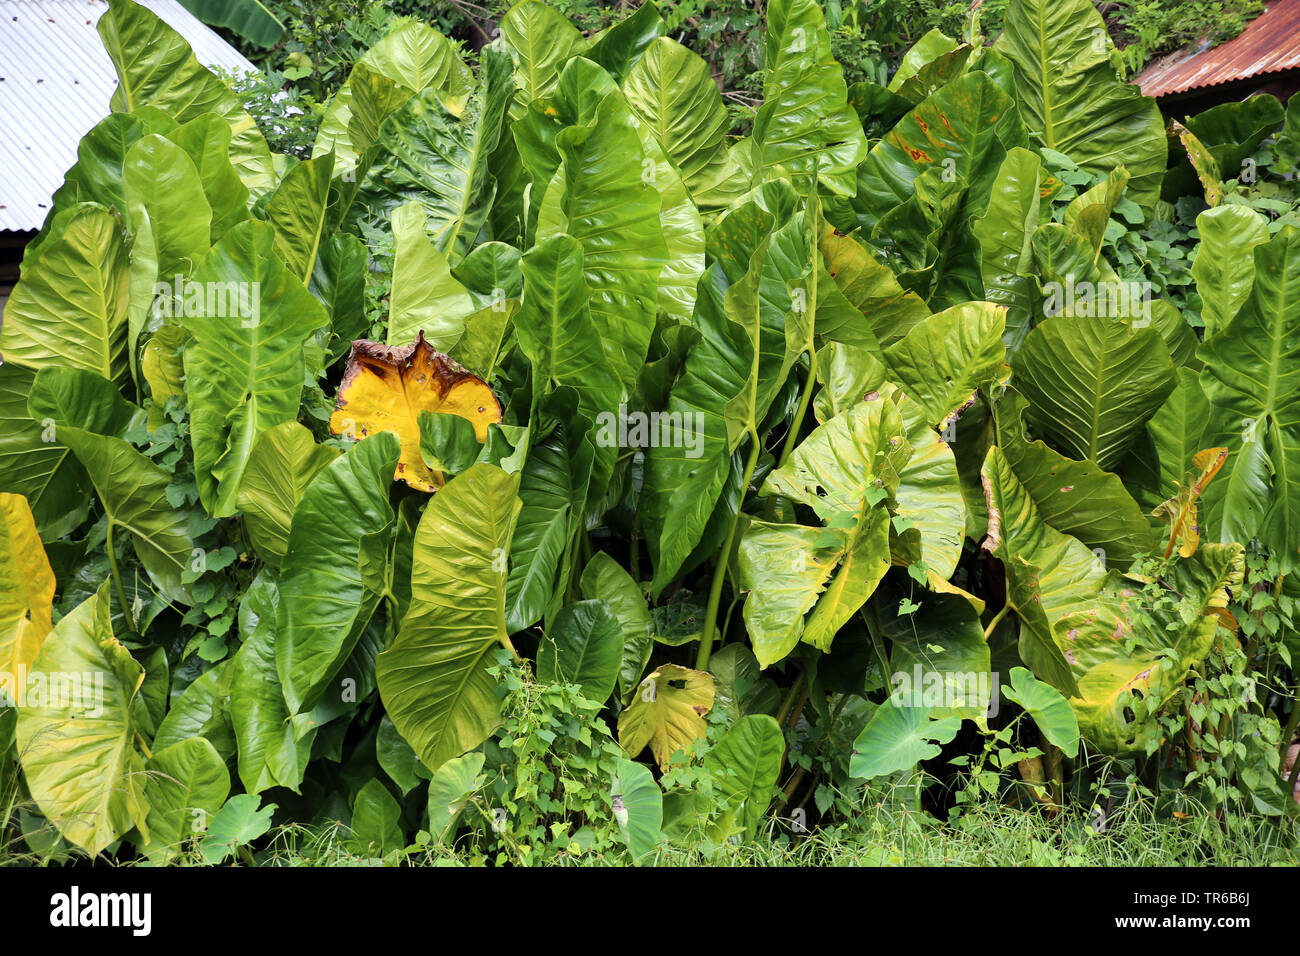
column 56, row 81
column 1269, row 44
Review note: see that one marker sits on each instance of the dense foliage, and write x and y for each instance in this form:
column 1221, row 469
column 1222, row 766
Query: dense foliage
column 534, row 467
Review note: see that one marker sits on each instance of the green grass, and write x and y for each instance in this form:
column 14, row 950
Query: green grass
column 988, row 835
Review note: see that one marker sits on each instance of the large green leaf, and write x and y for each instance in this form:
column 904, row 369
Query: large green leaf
column 805, row 124
column 1252, row 382
column 335, row 568
column 155, row 67
column 583, row 646
column 556, row 330
column 433, row 679
column 725, row 389
column 69, row 308
column 540, row 41
column 553, row 489
column 425, row 296
column 78, row 740
column 206, row 140
column 414, row 57
column 34, row 464
column 1004, row 233
column 745, row 764
column 599, row 196
column 1224, row 266
column 897, row 739
column 450, row 788
column 636, row 794
column 1072, row 99
column 673, row 94
column 1050, row 711
column 1091, row 383
column 244, row 367
column 961, row 135
column 281, row 465
column 251, row 19
column 188, row 783
column 89, row 416
column 1077, row 498
column 605, row 580
column 943, row 359
column 439, row 159
column 939, row 658
column 1051, row 577
column 270, row 751
column 164, row 196
column 297, row 211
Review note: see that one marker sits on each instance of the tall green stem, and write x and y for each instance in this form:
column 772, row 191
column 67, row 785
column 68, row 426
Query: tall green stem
column 724, row 558
column 117, row 577
column 797, row 425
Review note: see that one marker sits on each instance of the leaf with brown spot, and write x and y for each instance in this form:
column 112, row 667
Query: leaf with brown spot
column 385, row 388
column 1179, row 512
column 667, row 717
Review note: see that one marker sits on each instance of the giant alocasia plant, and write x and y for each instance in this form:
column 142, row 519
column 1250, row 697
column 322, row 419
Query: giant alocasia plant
column 654, row 406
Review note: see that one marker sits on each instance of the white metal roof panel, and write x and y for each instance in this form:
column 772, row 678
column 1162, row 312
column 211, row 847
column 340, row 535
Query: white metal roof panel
column 56, row 81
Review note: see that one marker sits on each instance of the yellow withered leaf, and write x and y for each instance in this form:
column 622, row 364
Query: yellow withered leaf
column 26, row 590
column 1180, row 510
column 385, row 388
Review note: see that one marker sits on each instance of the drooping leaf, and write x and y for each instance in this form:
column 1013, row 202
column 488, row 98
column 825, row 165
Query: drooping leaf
column 244, row 366
column 78, row 738
column 26, row 591
column 281, row 465
column 332, row 578
column 1072, row 99
column 433, row 679
column 1180, row 511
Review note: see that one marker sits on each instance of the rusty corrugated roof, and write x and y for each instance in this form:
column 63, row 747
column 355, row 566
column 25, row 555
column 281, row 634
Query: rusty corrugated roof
column 1269, row 44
